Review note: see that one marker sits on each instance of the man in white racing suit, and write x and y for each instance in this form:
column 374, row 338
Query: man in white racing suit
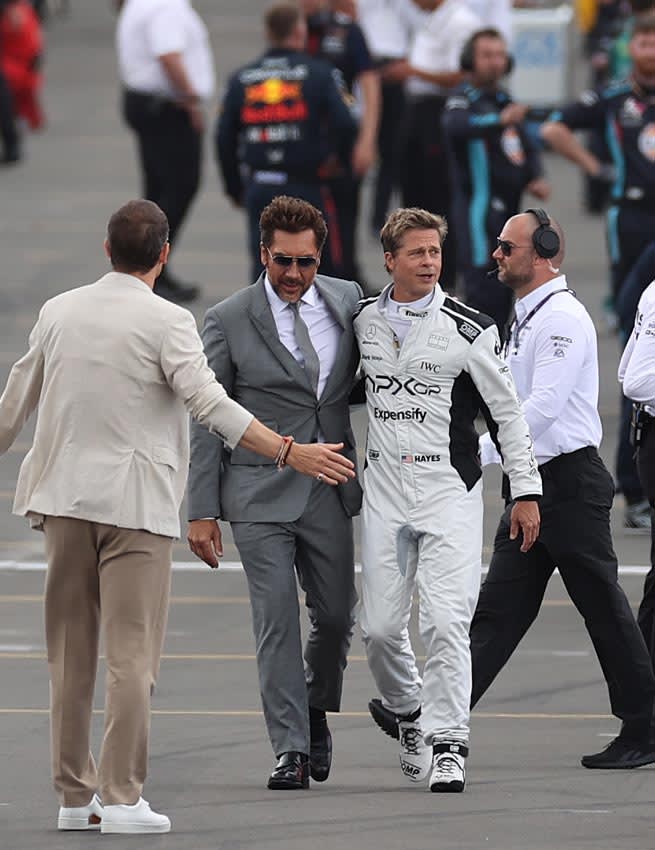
column 430, row 365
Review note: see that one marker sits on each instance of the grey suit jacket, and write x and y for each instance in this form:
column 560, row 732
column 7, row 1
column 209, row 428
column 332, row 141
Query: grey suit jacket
column 243, row 348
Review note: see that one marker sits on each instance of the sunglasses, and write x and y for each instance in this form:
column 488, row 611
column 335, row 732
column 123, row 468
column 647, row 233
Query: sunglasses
column 286, row 262
column 506, row 247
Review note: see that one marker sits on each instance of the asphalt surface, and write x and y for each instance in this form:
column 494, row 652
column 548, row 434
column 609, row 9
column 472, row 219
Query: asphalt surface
column 210, row 754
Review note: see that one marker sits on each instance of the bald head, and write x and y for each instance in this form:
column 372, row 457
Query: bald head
column 520, row 266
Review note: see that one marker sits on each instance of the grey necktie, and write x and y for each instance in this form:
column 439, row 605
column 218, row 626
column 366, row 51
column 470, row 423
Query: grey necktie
column 304, row 343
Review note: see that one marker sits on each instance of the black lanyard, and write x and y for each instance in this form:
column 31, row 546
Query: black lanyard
column 518, row 326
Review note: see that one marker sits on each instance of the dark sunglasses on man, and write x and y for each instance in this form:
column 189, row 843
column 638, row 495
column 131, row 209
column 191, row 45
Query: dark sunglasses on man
column 505, row 246
column 286, row 262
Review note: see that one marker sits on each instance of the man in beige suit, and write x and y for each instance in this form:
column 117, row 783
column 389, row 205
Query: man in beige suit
column 114, row 369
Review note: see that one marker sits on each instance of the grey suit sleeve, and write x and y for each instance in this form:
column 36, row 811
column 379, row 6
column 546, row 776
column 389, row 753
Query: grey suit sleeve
column 207, row 449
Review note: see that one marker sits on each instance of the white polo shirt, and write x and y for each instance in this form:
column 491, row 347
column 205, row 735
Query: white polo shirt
column 437, row 45
column 637, row 366
column 496, row 14
column 148, row 29
column 553, row 357
column 387, row 34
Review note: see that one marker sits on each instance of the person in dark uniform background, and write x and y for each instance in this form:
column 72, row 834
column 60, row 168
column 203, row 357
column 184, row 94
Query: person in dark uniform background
column 626, row 111
column 333, row 35
column 283, row 117
column 494, row 161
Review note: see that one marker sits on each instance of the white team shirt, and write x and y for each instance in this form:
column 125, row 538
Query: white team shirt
column 637, row 366
column 148, row 29
column 555, row 369
column 437, row 45
column 324, row 330
column 494, row 13
column 387, row 33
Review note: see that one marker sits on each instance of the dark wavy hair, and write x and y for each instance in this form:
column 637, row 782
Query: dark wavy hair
column 292, row 215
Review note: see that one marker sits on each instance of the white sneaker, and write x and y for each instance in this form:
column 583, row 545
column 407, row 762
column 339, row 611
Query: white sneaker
column 138, row 818
column 81, row 817
column 448, row 772
column 415, row 755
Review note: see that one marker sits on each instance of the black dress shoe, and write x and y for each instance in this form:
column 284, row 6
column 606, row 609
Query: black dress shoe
column 291, row 772
column 174, row 290
column 320, row 754
column 621, row 754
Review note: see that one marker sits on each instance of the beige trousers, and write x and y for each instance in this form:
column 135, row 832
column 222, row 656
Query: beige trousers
column 116, row 580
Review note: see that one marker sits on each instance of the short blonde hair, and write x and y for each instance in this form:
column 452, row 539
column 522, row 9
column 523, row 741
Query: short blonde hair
column 410, row 218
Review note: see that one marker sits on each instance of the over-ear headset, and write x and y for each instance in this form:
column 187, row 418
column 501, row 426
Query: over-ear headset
column 467, row 56
column 544, row 238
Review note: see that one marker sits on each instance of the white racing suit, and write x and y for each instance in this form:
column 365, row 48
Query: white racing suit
column 422, row 512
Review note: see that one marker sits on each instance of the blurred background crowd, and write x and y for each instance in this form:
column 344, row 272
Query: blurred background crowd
column 430, row 103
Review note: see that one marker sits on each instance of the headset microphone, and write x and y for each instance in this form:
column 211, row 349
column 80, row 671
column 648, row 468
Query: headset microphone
column 493, row 272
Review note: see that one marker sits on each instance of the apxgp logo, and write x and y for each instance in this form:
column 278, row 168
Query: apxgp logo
column 393, row 385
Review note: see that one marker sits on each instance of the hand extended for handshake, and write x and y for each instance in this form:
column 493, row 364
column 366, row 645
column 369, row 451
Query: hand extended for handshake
column 321, row 461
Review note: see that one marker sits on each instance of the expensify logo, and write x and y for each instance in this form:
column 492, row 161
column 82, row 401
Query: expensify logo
column 414, row 414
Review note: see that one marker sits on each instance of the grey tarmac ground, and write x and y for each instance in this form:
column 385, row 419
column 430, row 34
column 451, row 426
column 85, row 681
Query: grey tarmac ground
column 210, row 754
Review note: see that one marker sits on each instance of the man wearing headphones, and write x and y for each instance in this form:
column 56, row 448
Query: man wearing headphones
column 551, row 353
column 493, row 161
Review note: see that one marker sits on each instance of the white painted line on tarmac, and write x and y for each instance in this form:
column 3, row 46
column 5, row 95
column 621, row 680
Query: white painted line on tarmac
column 236, row 566
column 585, row 811
column 18, row 647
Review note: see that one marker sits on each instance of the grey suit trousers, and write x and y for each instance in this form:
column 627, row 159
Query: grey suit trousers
column 319, row 545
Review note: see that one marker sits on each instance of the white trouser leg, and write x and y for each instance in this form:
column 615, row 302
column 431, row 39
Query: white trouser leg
column 387, row 589
column 448, row 577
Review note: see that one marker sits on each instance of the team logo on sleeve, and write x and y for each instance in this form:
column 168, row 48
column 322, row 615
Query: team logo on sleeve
column 646, row 142
column 512, row 147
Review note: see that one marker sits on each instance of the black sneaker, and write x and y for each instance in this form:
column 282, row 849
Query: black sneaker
column 621, row 754
column 174, row 290
column 385, row 719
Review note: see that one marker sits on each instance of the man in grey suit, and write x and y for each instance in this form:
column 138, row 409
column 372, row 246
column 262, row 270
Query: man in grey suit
column 285, row 349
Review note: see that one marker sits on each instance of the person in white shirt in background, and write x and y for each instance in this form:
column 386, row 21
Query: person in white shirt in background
column 494, row 13
column 552, row 355
column 439, row 29
column 637, row 375
column 387, row 34
column 166, row 70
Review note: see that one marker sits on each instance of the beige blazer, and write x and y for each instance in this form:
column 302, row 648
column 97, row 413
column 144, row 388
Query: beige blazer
column 113, row 369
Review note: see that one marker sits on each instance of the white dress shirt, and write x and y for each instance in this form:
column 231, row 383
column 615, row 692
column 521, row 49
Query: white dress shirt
column 437, row 45
column 324, row 330
column 387, row 33
column 494, row 13
column 637, row 366
column 555, row 370
column 149, row 29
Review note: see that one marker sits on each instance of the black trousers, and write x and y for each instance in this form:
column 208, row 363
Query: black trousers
column 425, row 172
column 646, row 469
column 8, row 129
column 386, row 180
column 170, row 152
column 340, row 199
column 574, row 537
